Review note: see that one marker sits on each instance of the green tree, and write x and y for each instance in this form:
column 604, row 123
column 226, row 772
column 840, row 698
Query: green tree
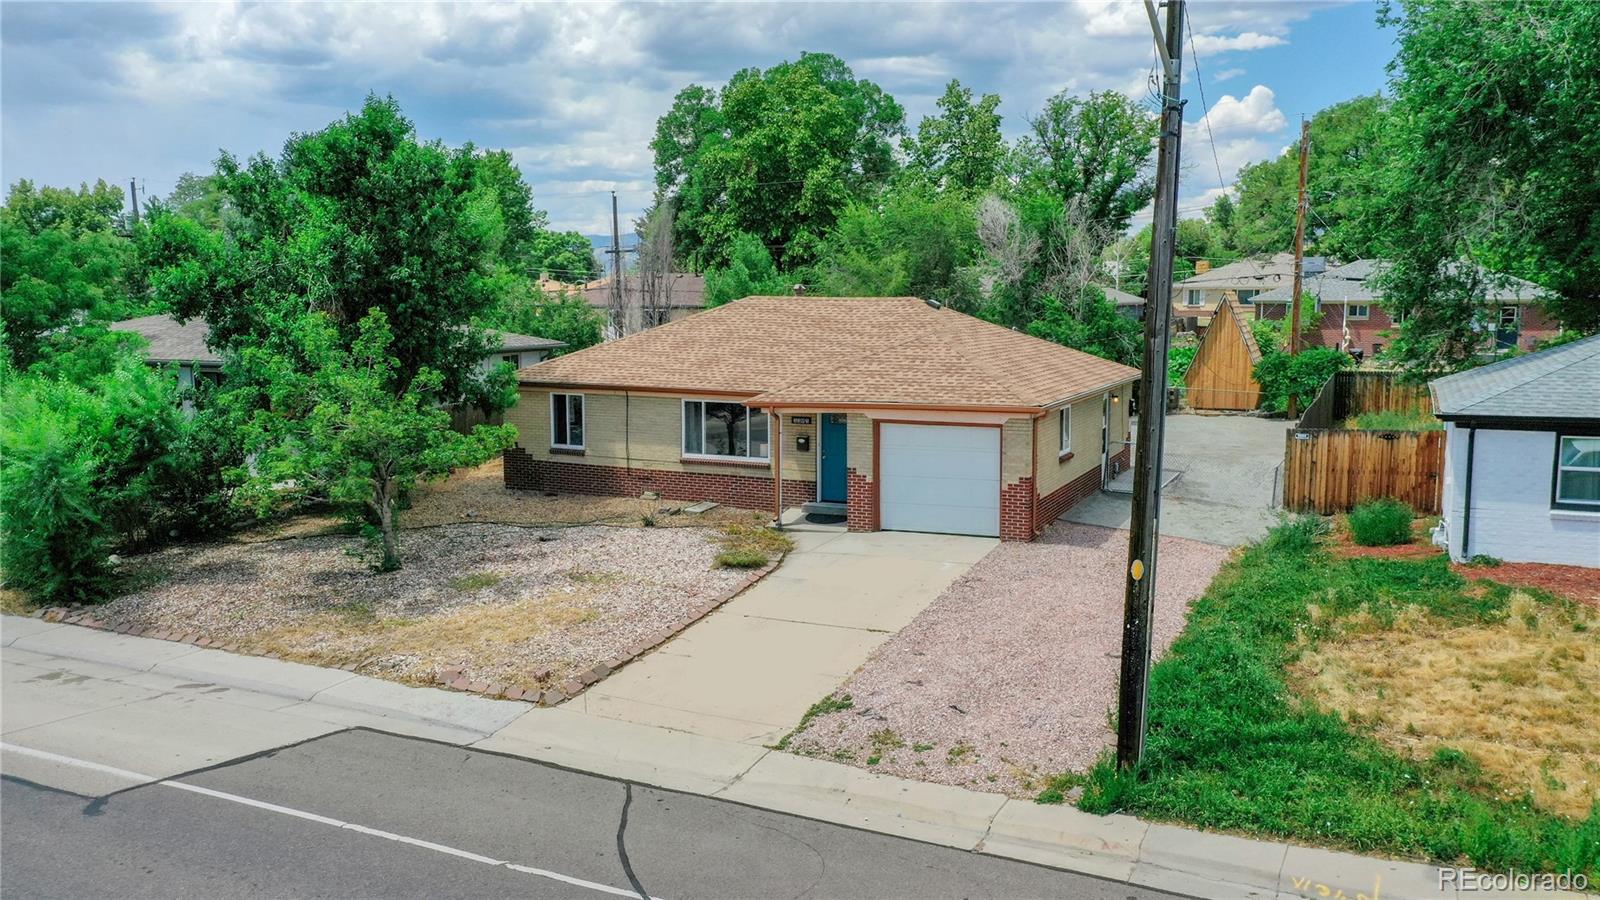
column 1490, row 166
column 1097, row 150
column 1345, row 153
column 913, row 241
column 88, row 209
column 337, row 428
column 523, row 224
column 525, row 309
column 199, row 197
column 750, row 272
column 777, row 154
column 1092, row 325
column 1302, row 374
column 564, row 256
column 359, row 215
column 961, row 148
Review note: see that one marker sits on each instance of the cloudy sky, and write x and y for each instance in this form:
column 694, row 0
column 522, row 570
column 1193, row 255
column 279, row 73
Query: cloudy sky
column 573, row 90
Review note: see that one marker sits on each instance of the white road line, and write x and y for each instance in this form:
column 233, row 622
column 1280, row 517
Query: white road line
column 128, row 775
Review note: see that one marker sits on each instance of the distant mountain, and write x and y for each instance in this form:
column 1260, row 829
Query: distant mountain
column 603, row 241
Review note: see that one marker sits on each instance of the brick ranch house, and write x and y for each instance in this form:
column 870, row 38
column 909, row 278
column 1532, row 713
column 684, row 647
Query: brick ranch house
column 892, row 411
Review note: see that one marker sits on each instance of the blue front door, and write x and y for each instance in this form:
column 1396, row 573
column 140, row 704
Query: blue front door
column 831, row 485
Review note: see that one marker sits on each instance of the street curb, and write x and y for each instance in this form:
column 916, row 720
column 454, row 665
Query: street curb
column 446, row 679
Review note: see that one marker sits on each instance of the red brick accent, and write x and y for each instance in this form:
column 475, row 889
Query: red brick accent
column 523, row 472
column 861, row 502
column 1017, row 510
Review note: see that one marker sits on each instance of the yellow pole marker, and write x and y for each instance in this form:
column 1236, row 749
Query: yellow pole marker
column 1137, row 569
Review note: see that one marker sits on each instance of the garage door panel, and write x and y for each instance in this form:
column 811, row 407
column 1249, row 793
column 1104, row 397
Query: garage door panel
column 940, row 478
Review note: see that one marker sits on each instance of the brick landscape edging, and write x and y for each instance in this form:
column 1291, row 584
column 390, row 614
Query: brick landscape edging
column 449, row 679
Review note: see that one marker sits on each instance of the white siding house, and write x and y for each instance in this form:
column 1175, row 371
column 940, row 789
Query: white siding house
column 1522, row 457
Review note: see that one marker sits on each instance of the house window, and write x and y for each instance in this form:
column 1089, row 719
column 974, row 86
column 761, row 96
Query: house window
column 1357, row 311
column 1194, row 298
column 1509, row 316
column 1246, row 298
column 512, row 358
column 566, row 421
column 1066, row 431
column 724, row 430
column 1577, row 473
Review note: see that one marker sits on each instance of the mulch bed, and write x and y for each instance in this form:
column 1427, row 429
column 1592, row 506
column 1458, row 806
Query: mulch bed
column 1573, row 582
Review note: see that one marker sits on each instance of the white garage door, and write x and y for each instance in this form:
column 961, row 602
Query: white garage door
column 939, row 478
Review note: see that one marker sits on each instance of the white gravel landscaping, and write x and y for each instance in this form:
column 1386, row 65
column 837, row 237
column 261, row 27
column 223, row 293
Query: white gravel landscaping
column 1010, row 676
column 504, row 604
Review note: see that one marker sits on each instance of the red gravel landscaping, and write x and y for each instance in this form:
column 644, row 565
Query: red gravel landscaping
column 1574, row 582
column 1010, row 675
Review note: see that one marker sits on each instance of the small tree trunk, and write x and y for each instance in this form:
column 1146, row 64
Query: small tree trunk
column 384, row 498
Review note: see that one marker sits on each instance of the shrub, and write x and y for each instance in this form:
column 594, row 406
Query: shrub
column 1381, row 523
column 1303, row 374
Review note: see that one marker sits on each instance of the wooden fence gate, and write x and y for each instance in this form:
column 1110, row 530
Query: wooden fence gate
column 1331, row 470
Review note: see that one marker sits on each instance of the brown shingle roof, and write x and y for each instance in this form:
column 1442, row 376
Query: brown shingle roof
column 825, row 350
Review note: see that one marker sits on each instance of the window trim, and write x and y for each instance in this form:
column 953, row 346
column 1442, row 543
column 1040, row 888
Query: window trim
column 683, row 436
column 514, row 358
column 1064, row 432
column 1556, row 502
column 1194, row 297
column 1366, row 311
column 583, row 408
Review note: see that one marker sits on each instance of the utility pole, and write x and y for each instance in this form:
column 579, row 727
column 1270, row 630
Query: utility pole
column 619, row 313
column 1299, row 256
column 1139, row 593
column 133, row 198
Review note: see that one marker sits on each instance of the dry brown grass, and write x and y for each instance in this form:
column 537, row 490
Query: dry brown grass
column 1518, row 698
column 413, row 650
column 15, row 603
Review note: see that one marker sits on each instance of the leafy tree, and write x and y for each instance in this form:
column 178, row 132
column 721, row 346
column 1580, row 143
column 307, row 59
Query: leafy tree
column 1345, row 153
column 1196, row 239
column 1098, row 149
column 525, row 309
column 961, row 148
column 777, row 154
column 1303, row 374
column 524, row 224
column 357, row 216
column 912, row 242
column 564, row 256
column 336, row 428
column 1093, row 325
column 1490, row 166
column 65, row 267
column 750, row 272
column 199, row 197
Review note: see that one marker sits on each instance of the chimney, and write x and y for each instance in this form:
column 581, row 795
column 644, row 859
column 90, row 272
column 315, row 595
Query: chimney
column 1202, row 266
column 799, row 290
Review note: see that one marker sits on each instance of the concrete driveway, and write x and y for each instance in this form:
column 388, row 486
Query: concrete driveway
column 1227, row 469
column 750, row 670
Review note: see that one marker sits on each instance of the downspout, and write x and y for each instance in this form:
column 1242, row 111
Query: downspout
column 1466, row 501
column 627, row 432
column 777, row 470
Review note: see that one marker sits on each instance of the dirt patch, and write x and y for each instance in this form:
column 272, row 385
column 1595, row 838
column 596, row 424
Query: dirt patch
column 1573, row 582
column 1515, row 700
column 480, row 495
column 505, row 604
column 1420, row 547
column 1011, row 673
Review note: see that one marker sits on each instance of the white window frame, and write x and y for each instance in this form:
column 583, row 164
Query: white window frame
column 1516, row 318
column 1065, row 429
column 1556, row 500
column 583, row 422
column 1350, row 311
column 683, row 434
column 1194, row 297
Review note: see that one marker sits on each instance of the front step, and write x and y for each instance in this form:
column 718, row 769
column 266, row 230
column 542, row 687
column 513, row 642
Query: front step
column 824, row 508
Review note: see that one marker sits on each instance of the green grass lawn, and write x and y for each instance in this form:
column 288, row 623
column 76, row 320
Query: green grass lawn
column 1232, row 747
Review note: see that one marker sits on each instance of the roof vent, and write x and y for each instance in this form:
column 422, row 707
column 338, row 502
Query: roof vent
column 799, row 290
column 934, row 303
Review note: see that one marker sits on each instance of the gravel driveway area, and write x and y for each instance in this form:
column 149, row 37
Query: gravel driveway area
column 1010, row 676
column 503, row 603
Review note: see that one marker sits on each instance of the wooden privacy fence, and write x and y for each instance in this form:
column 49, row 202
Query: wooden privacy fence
column 1329, row 470
column 1349, row 394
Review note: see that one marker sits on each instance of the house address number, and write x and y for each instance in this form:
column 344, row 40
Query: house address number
column 799, row 420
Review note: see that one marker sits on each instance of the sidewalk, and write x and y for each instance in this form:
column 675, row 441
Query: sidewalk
column 98, row 673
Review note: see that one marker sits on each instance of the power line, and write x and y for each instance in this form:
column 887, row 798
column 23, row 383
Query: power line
column 1205, row 108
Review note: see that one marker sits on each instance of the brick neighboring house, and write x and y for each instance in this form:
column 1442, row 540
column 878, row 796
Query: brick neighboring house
column 1353, row 317
column 892, row 411
column 1195, row 299
column 685, row 295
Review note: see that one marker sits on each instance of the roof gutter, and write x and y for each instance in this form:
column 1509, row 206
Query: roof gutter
column 1032, row 411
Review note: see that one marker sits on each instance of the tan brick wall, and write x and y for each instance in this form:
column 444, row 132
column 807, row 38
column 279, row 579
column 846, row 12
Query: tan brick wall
column 859, row 458
column 1016, row 451
column 644, row 432
column 1054, row 472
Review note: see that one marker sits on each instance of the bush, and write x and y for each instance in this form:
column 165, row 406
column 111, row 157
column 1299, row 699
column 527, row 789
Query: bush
column 1381, row 523
column 1303, row 374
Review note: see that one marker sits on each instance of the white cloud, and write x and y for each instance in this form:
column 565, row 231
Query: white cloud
column 1226, row 75
column 1247, row 40
column 1256, row 113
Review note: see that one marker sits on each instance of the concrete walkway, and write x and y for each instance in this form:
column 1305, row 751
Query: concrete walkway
column 110, row 699
column 749, row 671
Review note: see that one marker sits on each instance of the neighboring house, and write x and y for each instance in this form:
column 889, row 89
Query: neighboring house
column 1130, row 305
column 892, row 411
column 1222, row 375
column 686, row 295
column 1522, row 457
column 1353, row 317
column 183, row 344
column 1195, row 299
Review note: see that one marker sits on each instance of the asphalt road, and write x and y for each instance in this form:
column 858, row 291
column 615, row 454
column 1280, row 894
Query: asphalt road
column 365, row 814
